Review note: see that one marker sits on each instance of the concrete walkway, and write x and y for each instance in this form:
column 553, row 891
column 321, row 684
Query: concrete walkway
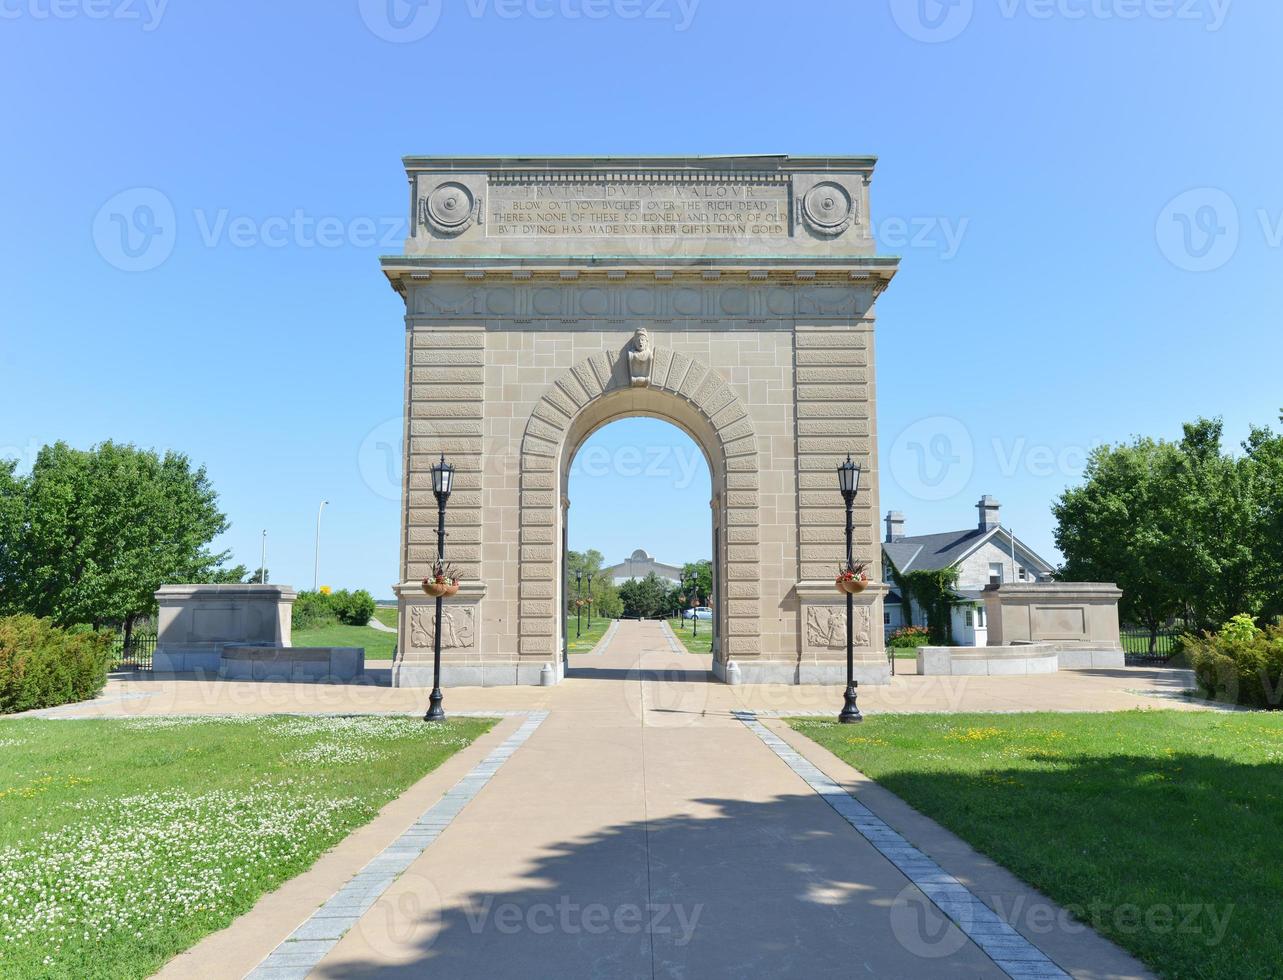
column 647, row 830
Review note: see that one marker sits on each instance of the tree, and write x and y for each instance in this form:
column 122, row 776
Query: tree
column 90, row 535
column 260, row 576
column 697, row 580
column 643, row 597
column 583, row 564
column 1264, row 450
column 1122, row 525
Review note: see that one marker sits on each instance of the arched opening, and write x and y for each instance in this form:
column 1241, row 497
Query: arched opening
column 642, row 476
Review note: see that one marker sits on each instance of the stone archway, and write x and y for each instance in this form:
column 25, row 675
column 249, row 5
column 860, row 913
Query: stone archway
column 691, row 395
column 524, row 283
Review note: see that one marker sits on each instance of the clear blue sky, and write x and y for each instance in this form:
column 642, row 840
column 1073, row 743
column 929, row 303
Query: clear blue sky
column 1037, row 160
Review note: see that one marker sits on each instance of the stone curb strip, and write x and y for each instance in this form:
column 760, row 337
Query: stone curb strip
column 674, row 644
column 1015, row 955
column 307, row 945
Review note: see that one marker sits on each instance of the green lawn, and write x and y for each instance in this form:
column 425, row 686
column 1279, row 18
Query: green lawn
column 1159, row 828
column 694, row 644
column 386, row 615
column 378, row 645
column 122, row 843
column 587, row 637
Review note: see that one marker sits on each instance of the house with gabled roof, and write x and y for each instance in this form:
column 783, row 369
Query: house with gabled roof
column 985, row 554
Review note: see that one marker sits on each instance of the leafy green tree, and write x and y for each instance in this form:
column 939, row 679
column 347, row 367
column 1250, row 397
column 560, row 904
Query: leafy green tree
column 643, row 597
column 1265, row 451
column 1122, row 526
column 90, row 535
column 697, row 579
column 583, row 564
column 260, row 576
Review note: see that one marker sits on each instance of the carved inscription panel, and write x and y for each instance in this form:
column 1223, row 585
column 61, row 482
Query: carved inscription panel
column 659, row 209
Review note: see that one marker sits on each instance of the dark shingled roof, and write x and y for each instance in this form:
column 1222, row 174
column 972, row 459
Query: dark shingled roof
column 931, row 551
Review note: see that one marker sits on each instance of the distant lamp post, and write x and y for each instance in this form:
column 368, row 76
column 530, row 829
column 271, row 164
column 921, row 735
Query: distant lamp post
column 694, row 616
column 316, row 555
column 442, row 484
column 262, row 561
column 681, row 610
column 579, row 602
column 590, row 602
column 849, row 485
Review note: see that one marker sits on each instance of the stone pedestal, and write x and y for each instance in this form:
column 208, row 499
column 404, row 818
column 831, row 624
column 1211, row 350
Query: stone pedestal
column 195, row 622
column 1079, row 620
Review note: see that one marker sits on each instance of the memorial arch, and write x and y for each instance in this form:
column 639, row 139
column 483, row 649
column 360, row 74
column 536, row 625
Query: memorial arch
column 731, row 296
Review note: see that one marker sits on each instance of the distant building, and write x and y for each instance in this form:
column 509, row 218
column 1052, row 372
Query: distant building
column 638, row 565
column 982, row 554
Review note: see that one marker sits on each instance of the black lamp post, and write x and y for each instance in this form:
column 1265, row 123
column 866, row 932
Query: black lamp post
column 442, row 483
column 579, row 603
column 694, row 618
column 590, row 602
column 681, row 610
column 849, row 484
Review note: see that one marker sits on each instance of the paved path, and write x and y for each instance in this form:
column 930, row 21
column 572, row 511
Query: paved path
column 650, row 827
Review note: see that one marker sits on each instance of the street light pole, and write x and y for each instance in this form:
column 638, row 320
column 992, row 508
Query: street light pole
column 579, row 602
column 590, row 602
column 316, row 564
column 442, row 483
column 849, row 484
column 262, row 561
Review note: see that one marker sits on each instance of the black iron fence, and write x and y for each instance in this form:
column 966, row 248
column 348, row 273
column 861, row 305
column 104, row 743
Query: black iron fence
column 136, row 655
column 1142, row 646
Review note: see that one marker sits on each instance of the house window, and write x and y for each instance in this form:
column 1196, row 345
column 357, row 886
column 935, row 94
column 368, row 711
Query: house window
column 886, row 618
column 980, row 617
column 971, row 618
column 995, row 571
column 1021, row 573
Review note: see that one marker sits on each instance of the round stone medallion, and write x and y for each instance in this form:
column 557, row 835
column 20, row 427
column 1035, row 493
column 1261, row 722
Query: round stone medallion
column 827, row 208
column 450, row 207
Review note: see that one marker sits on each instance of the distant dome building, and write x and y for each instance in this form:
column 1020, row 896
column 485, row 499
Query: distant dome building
column 640, row 564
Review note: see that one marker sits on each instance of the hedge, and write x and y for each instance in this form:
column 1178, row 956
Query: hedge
column 42, row 666
column 1240, row 664
column 316, row 609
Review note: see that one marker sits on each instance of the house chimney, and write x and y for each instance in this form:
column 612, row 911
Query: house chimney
column 895, row 526
column 988, row 507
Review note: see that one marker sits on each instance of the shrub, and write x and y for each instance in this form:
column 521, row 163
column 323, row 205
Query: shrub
column 312, row 610
column 1241, row 663
column 353, row 608
column 909, row 636
column 42, row 666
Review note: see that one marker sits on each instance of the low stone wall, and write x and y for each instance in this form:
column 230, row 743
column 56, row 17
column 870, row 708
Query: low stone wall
column 1020, row 658
column 1079, row 620
column 298, row 665
column 196, row 622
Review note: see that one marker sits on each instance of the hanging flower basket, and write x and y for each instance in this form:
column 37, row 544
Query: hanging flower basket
column 436, row 589
column 442, row 580
column 853, row 586
column 452, row 588
column 852, row 579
